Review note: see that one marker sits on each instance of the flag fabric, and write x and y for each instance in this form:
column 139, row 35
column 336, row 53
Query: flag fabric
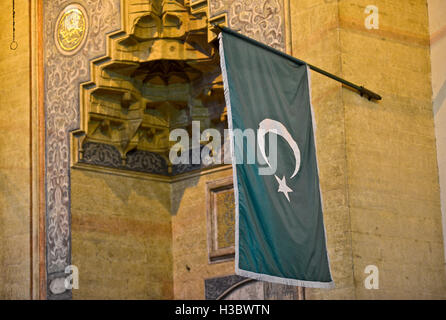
column 279, row 232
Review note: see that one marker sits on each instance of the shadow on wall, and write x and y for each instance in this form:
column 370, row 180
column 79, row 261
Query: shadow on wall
column 151, row 190
column 167, row 193
column 177, row 191
column 440, row 99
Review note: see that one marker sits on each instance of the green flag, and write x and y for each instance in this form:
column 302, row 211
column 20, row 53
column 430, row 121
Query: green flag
column 280, row 234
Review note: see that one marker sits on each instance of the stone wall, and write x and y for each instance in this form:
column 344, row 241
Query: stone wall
column 121, row 237
column 383, row 162
column 437, row 30
column 15, row 181
column 189, row 235
column 315, row 39
column 391, row 154
column 144, row 238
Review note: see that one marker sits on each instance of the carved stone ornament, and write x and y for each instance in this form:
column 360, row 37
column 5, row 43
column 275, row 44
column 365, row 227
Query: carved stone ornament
column 160, row 74
column 259, row 19
column 71, row 29
column 262, row 20
column 235, row 287
column 64, row 71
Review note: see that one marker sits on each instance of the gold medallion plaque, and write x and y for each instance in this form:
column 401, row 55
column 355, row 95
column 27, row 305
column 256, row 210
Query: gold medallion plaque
column 71, row 29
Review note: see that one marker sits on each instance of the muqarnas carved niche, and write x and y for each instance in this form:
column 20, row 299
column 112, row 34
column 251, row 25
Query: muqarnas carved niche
column 160, row 74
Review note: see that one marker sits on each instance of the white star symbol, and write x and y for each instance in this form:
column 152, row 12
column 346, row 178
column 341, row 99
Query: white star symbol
column 283, row 187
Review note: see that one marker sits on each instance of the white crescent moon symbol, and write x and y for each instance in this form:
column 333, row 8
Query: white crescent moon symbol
column 269, row 125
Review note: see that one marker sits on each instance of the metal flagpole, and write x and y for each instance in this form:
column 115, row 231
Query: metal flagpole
column 364, row 92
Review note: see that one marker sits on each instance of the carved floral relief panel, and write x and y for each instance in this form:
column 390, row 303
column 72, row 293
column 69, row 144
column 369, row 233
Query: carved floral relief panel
column 63, row 74
column 262, row 20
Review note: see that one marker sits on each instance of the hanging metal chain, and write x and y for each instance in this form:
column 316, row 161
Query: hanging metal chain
column 14, row 44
